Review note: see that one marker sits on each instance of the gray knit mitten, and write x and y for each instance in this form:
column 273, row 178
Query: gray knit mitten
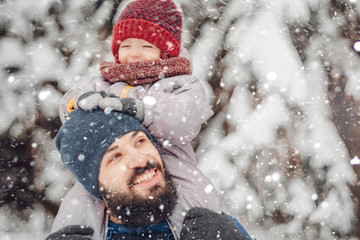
column 72, row 232
column 131, row 106
column 204, row 224
column 88, row 100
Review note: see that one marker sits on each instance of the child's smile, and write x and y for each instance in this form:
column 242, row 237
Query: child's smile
column 137, row 50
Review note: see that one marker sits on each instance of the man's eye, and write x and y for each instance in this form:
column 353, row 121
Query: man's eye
column 148, row 46
column 116, row 156
column 124, row 46
column 140, row 141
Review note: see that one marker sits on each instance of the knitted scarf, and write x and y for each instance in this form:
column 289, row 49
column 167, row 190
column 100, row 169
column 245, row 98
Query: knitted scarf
column 145, row 72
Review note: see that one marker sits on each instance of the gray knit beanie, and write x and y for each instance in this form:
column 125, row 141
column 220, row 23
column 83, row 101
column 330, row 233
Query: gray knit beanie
column 84, row 138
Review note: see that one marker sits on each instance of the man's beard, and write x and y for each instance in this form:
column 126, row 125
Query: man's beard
column 133, row 211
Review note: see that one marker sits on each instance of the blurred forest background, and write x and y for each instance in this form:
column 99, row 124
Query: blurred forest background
column 283, row 78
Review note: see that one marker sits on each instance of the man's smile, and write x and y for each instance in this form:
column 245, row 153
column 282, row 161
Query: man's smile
column 146, row 179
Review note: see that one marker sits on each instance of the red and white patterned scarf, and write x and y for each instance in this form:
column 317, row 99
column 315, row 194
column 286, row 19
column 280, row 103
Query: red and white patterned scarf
column 145, row 72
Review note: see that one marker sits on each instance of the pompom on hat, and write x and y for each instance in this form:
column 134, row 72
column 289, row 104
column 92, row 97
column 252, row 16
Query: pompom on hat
column 85, row 137
column 155, row 21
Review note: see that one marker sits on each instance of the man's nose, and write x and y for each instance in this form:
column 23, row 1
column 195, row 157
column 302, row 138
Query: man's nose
column 136, row 159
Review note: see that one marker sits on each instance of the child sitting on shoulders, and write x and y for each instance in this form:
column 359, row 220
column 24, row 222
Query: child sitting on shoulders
column 151, row 80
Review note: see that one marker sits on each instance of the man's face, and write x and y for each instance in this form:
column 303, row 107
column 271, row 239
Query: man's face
column 132, row 165
column 133, row 182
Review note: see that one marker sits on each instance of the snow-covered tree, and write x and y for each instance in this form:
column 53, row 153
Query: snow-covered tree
column 45, row 46
column 283, row 79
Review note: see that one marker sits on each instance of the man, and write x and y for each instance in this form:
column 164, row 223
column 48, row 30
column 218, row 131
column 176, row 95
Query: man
column 118, row 162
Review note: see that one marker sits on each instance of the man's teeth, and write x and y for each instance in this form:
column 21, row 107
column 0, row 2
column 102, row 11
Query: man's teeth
column 145, row 177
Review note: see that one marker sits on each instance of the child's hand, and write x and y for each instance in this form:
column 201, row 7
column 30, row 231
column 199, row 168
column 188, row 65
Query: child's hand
column 88, row 100
column 131, row 106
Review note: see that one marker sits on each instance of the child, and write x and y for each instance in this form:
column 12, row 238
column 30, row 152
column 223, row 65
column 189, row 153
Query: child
column 150, row 80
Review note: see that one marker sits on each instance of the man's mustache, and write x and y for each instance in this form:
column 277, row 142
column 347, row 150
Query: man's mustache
column 138, row 171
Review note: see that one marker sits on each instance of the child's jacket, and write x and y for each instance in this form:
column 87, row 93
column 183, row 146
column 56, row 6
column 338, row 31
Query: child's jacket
column 175, row 107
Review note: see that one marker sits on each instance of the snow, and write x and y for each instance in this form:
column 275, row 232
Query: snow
column 43, row 58
column 272, row 151
column 295, row 11
column 356, row 46
column 262, row 49
column 11, row 53
column 269, row 48
column 200, row 52
column 331, row 208
column 355, row 161
column 48, row 98
column 35, row 228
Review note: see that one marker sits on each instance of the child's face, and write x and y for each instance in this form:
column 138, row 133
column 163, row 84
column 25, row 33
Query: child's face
column 137, row 50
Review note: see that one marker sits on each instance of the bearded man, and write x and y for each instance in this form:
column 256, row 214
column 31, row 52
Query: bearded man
column 118, row 162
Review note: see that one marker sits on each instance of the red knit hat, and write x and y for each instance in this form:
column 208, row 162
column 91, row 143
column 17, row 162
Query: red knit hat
column 155, row 21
